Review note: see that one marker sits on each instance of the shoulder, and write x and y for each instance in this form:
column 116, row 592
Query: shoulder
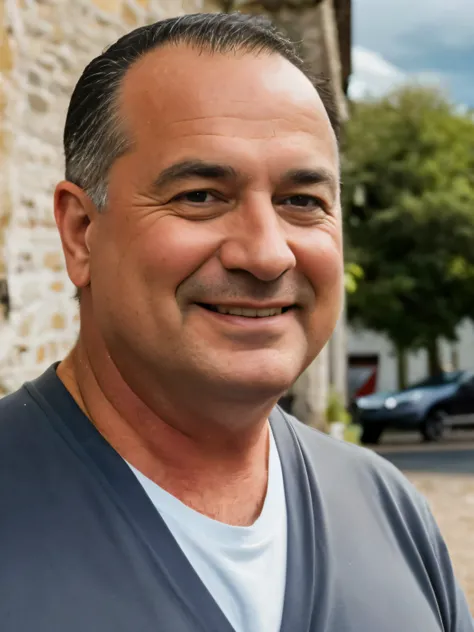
column 361, row 471
column 16, row 409
column 25, row 428
column 377, row 493
column 27, row 414
column 361, row 489
column 357, row 485
column 338, row 454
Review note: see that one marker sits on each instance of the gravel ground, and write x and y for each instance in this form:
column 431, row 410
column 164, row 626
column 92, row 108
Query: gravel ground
column 451, row 498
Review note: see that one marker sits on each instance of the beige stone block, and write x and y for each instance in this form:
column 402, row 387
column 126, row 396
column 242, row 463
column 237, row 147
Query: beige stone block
column 2, row 116
column 58, row 321
column 40, row 354
column 209, row 6
column 3, row 267
column 37, row 103
column 109, row 6
column 53, row 350
column 24, row 328
column 6, row 55
column 57, row 286
column 128, row 16
column 131, row 14
column 57, row 34
column 53, row 261
column 6, row 64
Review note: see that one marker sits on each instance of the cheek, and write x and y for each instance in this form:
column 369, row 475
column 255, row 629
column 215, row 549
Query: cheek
column 323, row 266
column 173, row 249
column 321, row 261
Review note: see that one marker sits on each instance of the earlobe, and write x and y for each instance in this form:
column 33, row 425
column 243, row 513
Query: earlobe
column 73, row 213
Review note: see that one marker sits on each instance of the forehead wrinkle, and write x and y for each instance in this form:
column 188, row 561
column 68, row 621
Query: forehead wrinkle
column 304, row 124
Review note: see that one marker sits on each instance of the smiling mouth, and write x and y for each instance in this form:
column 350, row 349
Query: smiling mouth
column 247, row 312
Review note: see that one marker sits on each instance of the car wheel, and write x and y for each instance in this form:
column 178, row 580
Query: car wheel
column 434, row 425
column 371, row 434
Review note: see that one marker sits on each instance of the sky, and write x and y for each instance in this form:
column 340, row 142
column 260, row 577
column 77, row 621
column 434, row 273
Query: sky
column 430, row 40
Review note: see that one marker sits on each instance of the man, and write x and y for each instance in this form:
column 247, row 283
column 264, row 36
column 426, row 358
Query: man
column 149, row 483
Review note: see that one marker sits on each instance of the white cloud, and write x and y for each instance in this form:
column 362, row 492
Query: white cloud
column 429, row 40
column 374, row 76
column 386, row 25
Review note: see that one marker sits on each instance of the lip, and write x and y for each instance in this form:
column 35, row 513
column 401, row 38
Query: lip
column 252, row 305
column 261, row 324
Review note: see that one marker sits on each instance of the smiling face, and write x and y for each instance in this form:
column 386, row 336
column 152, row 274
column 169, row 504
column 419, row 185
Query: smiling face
column 217, row 264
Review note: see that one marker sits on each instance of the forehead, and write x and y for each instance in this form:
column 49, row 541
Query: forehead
column 178, row 98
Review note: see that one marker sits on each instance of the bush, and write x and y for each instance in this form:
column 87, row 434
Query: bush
column 336, row 410
column 337, row 413
column 352, row 433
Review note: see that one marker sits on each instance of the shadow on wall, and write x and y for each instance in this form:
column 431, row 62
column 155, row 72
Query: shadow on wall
column 4, row 300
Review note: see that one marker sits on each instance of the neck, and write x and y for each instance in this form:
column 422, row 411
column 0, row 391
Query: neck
column 218, row 469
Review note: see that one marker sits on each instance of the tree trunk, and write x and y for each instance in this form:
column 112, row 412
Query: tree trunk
column 434, row 359
column 454, row 359
column 310, row 392
column 338, row 358
column 402, row 367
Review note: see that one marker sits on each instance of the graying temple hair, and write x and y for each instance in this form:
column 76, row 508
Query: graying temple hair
column 93, row 134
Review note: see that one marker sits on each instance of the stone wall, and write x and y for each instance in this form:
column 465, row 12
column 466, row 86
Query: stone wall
column 44, row 46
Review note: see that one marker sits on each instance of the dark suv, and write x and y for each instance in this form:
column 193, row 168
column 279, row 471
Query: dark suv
column 428, row 406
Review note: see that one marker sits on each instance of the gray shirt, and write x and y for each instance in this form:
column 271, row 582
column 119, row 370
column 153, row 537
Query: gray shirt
column 83, row 548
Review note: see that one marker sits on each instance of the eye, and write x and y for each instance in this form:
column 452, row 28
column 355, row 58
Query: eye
column 307, row 202
column 196, row 197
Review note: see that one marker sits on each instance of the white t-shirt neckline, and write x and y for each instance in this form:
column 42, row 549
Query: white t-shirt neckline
column 243, row 567
column 261, row 529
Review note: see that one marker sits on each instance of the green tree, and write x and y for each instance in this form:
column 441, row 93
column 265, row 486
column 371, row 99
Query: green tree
column 408, row 163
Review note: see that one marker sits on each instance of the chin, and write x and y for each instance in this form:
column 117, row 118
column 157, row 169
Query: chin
column 260, row 379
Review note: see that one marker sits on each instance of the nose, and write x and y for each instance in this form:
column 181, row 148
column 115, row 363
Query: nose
column 257, row 243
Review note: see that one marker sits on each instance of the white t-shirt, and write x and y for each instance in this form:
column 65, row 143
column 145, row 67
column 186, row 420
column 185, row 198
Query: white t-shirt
column 244, row 568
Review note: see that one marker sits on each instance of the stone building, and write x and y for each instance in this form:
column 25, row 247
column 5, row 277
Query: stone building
column 44, row 46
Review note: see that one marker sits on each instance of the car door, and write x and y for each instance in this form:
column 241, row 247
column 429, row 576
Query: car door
column 464, row 399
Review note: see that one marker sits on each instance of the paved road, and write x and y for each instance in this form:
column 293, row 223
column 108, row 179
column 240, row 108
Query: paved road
column 455, row 455
column 440, row 461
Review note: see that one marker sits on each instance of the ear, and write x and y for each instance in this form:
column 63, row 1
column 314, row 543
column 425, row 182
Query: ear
column 74, row 212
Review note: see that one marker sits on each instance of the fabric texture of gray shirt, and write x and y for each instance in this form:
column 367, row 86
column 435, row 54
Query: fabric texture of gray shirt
column 82, row 548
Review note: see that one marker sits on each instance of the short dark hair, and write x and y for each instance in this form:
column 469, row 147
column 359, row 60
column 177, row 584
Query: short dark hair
column 93, row 134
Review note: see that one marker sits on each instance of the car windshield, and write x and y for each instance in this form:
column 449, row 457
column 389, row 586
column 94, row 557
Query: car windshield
column 438, row 380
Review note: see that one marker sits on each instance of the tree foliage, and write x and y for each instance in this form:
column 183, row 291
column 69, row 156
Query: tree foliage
column 408, row 165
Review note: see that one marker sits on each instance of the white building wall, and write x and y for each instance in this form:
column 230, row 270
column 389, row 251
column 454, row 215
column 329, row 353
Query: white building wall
column 363, row 342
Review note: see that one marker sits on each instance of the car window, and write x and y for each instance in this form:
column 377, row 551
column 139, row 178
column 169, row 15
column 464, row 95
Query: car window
column 468, row 376
column 438, row 380
column 468, row 382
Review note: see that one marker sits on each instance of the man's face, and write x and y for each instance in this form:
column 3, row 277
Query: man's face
column 217, row 263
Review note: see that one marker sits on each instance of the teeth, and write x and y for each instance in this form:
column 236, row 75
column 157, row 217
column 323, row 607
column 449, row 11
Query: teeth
column 249, row 313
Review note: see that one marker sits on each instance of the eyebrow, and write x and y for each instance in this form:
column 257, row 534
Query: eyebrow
column 308, row 177
column 187, row 169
